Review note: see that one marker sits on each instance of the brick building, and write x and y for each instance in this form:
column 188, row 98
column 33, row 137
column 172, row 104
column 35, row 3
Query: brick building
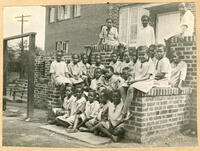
column 70, row 28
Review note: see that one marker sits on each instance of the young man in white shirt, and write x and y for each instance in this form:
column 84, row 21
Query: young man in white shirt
column 115, row 63
column 114, row 126
column 59, row 73
column 187, row 20
column 179, row 70
column 146, row 34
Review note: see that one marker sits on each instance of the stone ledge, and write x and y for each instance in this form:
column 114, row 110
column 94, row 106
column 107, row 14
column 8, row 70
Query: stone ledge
column 101, row 48
column 185, row 39
column 164, row 92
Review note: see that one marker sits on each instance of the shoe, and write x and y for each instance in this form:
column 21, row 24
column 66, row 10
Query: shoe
column 51, row 122
column 115, row 138
column 83, row 129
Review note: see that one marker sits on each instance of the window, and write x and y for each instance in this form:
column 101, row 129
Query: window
column 63, row 12
column 62, row 46
column 165, row 31
column 77, row 10
column 51, row 15
column 129, row 23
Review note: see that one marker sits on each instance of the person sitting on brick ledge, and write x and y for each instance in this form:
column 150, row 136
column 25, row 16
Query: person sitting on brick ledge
column 111, row 81
column 115, row 63
column 85, row 66
column 120, row 50
column 65, row 105
column 179, row 70
column 109, row 34
column 163, row 68
column 152, row 53
column 59, row 73
column 98, row 64
column 97, row 82
column 75, row 70
column 127, row 62
column 142, row 78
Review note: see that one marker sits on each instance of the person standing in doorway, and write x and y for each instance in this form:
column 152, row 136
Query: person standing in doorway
column 187, row 20
column 146, row 34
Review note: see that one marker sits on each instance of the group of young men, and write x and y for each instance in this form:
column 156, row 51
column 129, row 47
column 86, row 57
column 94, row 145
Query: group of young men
column 96, row 98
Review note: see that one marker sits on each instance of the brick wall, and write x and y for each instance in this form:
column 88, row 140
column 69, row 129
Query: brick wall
column 160, row 112
column 105, row 52
column 42, row 92
column 187, row 48
column 79, row 31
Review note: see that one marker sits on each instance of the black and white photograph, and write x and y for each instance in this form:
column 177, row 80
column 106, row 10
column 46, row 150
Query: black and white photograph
column 107, row 75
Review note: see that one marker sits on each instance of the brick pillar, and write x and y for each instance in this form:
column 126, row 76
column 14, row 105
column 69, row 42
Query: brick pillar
column 187, row 47
column 158, row 113
column 105, row 51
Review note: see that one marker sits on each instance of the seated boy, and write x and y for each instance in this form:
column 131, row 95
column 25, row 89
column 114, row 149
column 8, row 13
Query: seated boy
column 91, row 111
column 111, row 81
column 179, row 70
column 97, row 81
column 115, row 63
column 65, row 108
column 104, row 99
column 114, row 127
column 127, row 61
column 142, row 78
column 85, row 66
column 59, row 73
column 151, row 53
column 75, row 70
column 126, row 77
column 77, row 107
column 163, row 68
column 96, row 65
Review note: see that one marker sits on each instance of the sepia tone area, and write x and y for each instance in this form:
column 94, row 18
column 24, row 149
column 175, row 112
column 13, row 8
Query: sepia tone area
column 106, row 76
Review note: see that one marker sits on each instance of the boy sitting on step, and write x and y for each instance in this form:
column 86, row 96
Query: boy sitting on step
column 77, row 107
column 114, row 126
column 91, row 111
column 65, row 105
column 102, row 115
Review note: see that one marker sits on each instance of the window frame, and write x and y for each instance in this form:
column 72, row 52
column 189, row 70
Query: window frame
column 128, row 27
column 75, row 11
column 54, row 15
column 68, row 11
column 61, row 44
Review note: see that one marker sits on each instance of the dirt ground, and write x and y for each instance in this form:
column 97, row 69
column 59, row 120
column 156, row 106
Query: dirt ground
column 17, row 132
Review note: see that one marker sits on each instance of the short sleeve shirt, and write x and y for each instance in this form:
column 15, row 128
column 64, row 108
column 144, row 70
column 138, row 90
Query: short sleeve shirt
column 146, row 36
column 141, row 70
column 75, row 69
column 115, row 112
column 58, row 68
column 110, row 38
column 179, row 72
column 92, row 109
column 164, row 66
column 116, row 66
